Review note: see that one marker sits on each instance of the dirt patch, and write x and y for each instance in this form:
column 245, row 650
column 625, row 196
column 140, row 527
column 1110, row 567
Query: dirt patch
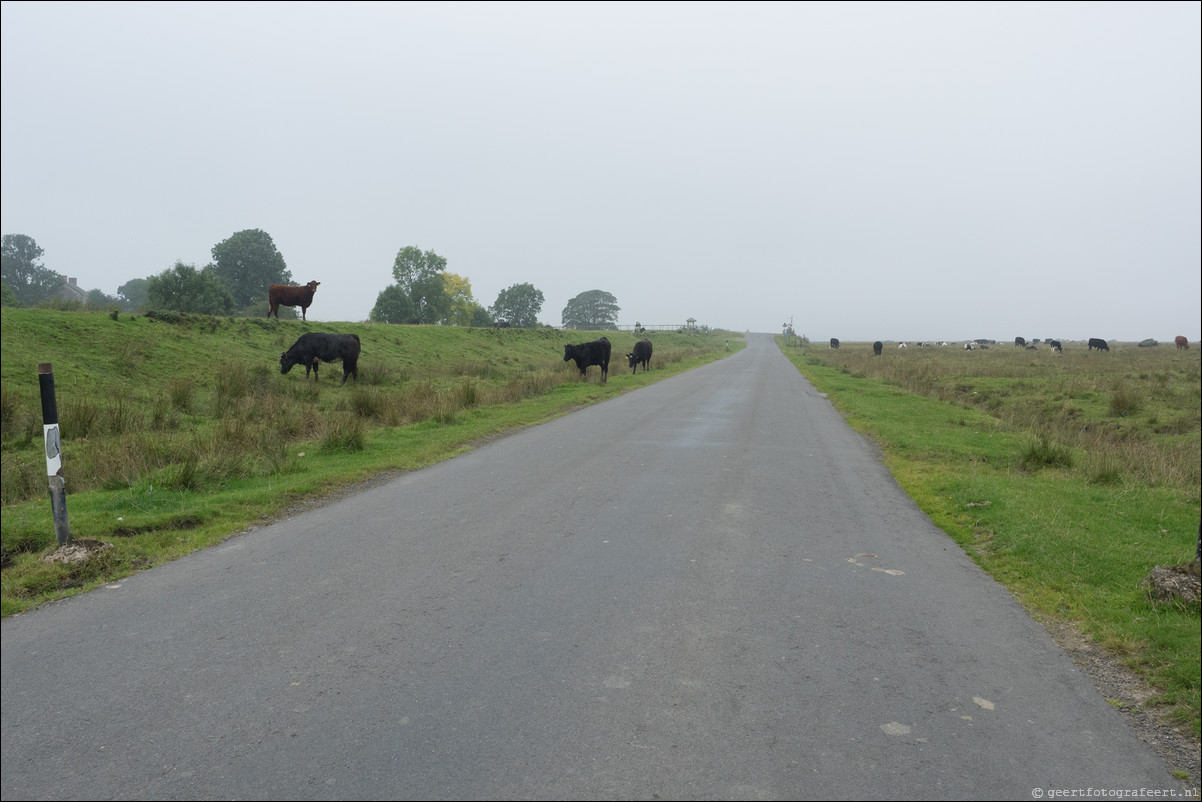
column 1129, row 693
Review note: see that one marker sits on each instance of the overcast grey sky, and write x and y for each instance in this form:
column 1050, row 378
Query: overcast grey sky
column 869, row 171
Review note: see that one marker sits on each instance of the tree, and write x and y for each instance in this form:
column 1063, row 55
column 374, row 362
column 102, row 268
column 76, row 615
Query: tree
column 30, row 282
column 459, row 296
column 393, row 306
column 481, row 318
column 518, row 306
column 420, row 277
column 248, row 263
column 183, row 288
column 132, row 294
column 591, row 311
column 7, row 296
column 98, row 299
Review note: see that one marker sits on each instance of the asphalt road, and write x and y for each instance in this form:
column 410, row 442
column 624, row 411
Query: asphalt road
column 708, row 588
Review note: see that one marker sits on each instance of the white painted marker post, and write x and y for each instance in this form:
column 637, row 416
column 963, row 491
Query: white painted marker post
column 54, row 454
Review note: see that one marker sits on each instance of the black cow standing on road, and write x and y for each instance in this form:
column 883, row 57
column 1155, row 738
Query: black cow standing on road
column 315, row 347
column 586, row 354
column 641, row 354
column 877, row 347
column 1100, row 344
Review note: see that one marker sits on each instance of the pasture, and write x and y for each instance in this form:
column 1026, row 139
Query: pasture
column 1067, row 476
column 180, row 431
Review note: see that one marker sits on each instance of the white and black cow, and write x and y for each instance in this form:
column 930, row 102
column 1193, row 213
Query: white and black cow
column 587, row 354
column 315, row 347
column 835, row 343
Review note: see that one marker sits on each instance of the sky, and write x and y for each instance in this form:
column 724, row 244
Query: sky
column 892, row 171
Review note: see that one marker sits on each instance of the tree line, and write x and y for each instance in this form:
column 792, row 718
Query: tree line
column 235, row 284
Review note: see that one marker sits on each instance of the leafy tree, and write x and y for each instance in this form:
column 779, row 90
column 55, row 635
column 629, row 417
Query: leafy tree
column 248, row 263
column 591, row 311
column 25, row 276
column 393, row 306
column 459, row 295
column 419, row 275
column 183, row 288
column 132, row 294
column 480, row 317
column 7, row 296
column 98, row 299
column 519, row 306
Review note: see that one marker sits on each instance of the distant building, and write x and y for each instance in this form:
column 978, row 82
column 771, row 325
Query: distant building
column 71, row 291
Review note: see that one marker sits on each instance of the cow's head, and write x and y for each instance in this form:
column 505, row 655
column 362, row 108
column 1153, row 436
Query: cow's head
column 312, row 285
column 286, row 362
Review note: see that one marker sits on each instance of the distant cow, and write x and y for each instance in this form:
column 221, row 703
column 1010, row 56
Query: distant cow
column 315, row 347
column 835, row 343
column 1020, row 342
column 1181, row 341
column 283, row 295
column 587, row 354
column 876, row 348
column 1055, row 345
column 968, row 346
column 640, row 354
column 1100, row 344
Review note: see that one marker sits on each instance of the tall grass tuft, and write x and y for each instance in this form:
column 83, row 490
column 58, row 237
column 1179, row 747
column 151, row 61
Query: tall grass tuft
column 182, row 391
column 1124, row 401
column 233, row 382
column 1043, row 453
column 344, row 433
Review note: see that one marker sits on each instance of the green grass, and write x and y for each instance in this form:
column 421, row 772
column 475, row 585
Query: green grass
column 180, row 432
column 1064, row 495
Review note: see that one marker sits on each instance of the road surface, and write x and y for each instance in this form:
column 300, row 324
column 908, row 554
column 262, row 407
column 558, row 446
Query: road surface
column 707, row 588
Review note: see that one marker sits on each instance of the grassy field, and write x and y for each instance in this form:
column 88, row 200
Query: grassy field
column 179, row 432
column 1069, row 477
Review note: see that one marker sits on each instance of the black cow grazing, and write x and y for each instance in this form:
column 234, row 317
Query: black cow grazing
column 640, row 354
column 1020, row 342
column 877, row 347
column 315, row 347
column 586, row 354
column 1055, row 346
column 835, row 343
column 1100, row 344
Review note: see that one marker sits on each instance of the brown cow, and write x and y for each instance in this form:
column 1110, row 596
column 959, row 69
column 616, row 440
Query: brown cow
column 1181, row 341
column 283, row 295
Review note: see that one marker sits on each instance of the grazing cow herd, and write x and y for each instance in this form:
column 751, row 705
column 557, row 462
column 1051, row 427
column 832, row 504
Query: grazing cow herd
column 1055, row 346
column 313, row 348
